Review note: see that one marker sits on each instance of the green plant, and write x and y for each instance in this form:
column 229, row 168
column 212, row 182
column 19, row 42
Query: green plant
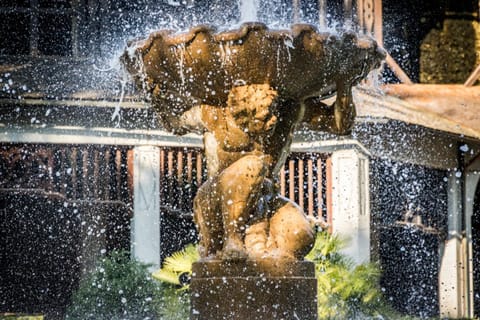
column 174, row 277
column 177, row 269
column 345, row 291
column 174, row 303
column 119, row 288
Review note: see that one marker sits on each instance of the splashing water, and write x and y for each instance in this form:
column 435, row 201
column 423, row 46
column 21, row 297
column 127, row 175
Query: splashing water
column 248, row 10
column 180, row 54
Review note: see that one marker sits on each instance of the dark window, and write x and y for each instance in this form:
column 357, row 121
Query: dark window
column 37, row 27
column 55, row 36
column 61, row 4
column 14, row 33
column 15, row 3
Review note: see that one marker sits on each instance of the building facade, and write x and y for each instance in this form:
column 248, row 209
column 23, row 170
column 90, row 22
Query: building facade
column 86, row 169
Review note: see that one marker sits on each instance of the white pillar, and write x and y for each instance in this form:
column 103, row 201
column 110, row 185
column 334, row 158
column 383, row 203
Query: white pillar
column 451, row 286
column 351, row 202
column 145, row 234
column 471, row 181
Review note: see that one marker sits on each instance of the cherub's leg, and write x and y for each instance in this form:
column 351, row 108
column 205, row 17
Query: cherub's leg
column 337, row 118
column 343, row 110
column 208, row 218
column 256, row 237
column 291, row 236
column 239, row 186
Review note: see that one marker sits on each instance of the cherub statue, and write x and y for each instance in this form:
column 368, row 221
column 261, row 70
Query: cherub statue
column 248, row 115
column 239, row 211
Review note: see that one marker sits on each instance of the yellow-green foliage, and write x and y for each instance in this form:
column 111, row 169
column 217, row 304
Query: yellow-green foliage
column 177, row 265
column 345, row 291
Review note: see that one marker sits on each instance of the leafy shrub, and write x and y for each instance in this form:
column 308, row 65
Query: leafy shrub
column 174, row 303
column 119, row 288
column 345, row 291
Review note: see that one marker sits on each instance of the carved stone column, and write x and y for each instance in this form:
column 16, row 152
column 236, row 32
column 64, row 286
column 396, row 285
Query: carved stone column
column 451, row 286
column 350, row 197
column 145, row 236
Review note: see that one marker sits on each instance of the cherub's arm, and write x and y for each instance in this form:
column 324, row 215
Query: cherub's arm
column 200, row 118
column 337, row 118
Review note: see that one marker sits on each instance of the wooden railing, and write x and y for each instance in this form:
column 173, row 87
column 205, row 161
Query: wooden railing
column 305, row 179
column 104, row 173
column 182, row 172
column 76, row 172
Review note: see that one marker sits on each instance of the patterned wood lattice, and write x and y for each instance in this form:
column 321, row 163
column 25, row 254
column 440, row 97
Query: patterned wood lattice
column 105, row 173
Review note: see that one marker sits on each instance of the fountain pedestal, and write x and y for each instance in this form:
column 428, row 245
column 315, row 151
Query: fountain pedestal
column 263, row 289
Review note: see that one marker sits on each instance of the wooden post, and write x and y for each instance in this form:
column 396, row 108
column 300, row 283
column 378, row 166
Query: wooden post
column 189, row 167
column 291, row 178
column 63, row 174
column 348, row 12
column 170, row 163
column 199, row 169
column 96, row 174
column 85, row 174
column 452, row 287
column 107, row 174
column 350, row 215
column 310, row 191
column 320, row 188
column 378, row 22
column 118, row 174
column 300, row 184
column 180, row 167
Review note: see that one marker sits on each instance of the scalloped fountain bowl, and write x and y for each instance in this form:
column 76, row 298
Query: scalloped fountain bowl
column 202, row 65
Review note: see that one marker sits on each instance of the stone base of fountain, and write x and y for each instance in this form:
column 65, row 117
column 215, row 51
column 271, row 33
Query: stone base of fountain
column 264, row 289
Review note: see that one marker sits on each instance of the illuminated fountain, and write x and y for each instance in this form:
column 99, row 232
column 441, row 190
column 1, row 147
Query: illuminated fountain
column 246, row 90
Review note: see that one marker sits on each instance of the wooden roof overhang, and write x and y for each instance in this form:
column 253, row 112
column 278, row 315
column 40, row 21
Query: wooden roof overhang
column 454, row 109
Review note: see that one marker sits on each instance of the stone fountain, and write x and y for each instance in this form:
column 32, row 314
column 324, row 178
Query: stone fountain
column 246, row 90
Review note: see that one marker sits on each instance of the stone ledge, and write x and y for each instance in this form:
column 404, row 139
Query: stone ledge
column 253, row 268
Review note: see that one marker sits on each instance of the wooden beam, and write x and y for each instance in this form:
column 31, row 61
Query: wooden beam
column 402, row 76
column 473, row 77
column 378, row 22
column 446, row 107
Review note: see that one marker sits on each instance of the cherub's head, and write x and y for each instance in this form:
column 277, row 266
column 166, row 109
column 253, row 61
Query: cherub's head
column 253, row 108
